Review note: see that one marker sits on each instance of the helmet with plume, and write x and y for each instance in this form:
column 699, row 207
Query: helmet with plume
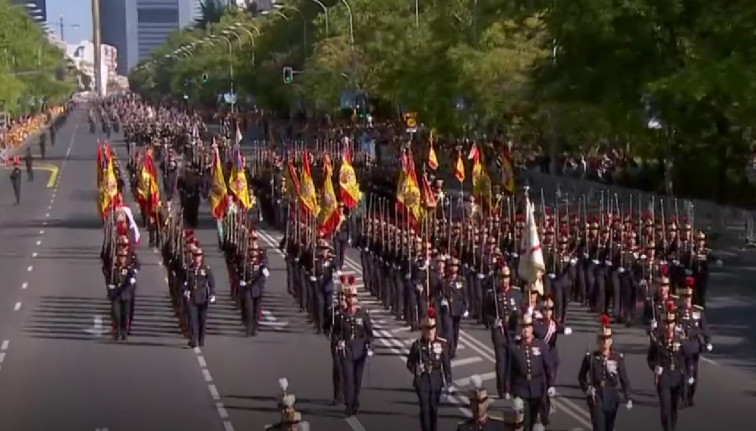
column 430, row 320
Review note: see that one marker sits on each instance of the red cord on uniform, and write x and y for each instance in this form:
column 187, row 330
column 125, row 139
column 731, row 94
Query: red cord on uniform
column 351, row 280
column 342, row 279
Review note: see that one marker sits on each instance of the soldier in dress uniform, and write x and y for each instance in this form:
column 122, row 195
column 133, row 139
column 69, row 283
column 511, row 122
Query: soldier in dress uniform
column 252, row 277
column 291, row 419
column 120, row 293
column 336, row 321
column 343, row 236
column 501, row 308
column 479, row 402
column 354, row 335
column 15, row 178
column 430, row 363
column 601, row 377
column 514, row 417
column 322, row 285
column 530, row 374
column 453, row 304
column 199, row 291
column 548, row 329
column 666, row 359
column 189, row 189
column 696, row 332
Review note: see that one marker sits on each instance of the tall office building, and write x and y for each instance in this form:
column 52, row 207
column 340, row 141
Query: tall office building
column 138, row 27
column 38, row 12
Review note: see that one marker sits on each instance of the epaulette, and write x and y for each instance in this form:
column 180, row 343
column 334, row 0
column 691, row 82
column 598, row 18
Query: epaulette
column 698, row 307
column 443, row 340
column 674, row 296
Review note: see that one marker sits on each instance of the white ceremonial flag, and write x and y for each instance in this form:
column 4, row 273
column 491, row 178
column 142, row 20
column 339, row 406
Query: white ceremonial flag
column 531, row 263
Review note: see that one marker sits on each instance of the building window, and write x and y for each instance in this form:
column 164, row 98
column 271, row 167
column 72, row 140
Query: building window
column 157, row 15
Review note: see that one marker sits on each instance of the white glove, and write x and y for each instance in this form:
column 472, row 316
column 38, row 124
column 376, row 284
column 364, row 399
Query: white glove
column 675, row 262
column 111, row 287
column 312, row 278
column 515, row 255
column 467, row 313
column 132, row 280
column 497, row 323
column 187, row 294
column 709, row 347
column 261, row 217
column 212, row 299
column 444, row 303
column 349, row 242
column 407, row 276
column 629, row 404
column 659, row 371
column 590, row 392
column 450, row 390
column 265, row 272
column 551, row 391
column 653, row 324
column 691, row 380
column 567, row 331
column 719, row 262
column 370, row 353
column 507, row 396
column 552, row 276
column 136, row 271
column 481, row 276
column 242, row 283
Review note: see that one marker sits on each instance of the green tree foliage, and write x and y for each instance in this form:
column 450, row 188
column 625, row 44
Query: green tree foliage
column 578, row 72
column 28, row 64
column 211, row 12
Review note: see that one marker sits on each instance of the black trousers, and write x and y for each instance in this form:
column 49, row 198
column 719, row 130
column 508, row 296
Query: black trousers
column 603, row 415
column 252, row 311
column 120, row 311
column 197, row 323
column 429, row 399
column 352, row 366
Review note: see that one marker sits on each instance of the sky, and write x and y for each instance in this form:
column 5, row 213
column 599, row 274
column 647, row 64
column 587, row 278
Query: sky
column 74, row 12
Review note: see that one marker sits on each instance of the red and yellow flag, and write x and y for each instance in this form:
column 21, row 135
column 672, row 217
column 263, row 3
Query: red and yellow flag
column 148, row 192
column 480, row 179
column 432, row 158
column 408, row 200
column 307, row 193
column 348, row 187
column 506, row 166
column 108, row 195
column 329, row 215
column 218, row 191
column 237, row 182
column 459, row 168
column 291, row 180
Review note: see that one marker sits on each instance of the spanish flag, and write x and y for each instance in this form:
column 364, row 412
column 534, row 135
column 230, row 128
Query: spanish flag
column 307, row 193
column 408, row 200
column 218, row 192
column 348, row 187
column 148, row 192
column 109, row 197
column 506, row 167
column 329, row 215
column 480, row 179
column 432, row 158
column 237, row 182
column 459, row 168
column 292, row 180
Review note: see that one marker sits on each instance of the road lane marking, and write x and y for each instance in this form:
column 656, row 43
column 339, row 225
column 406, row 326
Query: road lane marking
column 206, row 375
column 44, row 223
column 465, row 361
column 39, row 242
column 29, row 268
column 2, row 357
column 49, row 207
column 34, row 254
column 202, row 361
column 708, row 361
column 24, row 285
column 214, row 392
column 47, row 214
column 4, row 346
column 42, row 232
column 228, row 426
column 221, row 410
column 17, row 306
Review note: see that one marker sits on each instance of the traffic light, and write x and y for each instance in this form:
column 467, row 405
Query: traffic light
column 288, row 75
column 204, row 78
column 362, row 105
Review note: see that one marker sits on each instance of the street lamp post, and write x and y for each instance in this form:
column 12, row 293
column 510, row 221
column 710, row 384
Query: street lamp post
column 325, row 11
column 304, row 24
column 351, row 23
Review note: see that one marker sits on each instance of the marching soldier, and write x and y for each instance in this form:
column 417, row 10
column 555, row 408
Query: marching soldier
column 15, row 178
column 602, row 374
column 548, row 329
column 29, row 161
column 343, row 237
column 120, row 293
column 529, row 372
column 354, row 334
column 501, row 308
column 337, row 321
column 291, row 419
column 479, row 402
column 453, row 304
column 666, row 359
column 696, row 333
column 252, row 277
column 429, row 361
column 199, row 291
column 322, row 282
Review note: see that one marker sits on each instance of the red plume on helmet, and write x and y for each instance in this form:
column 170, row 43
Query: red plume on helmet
column 431, row 313
column 690, row 282
column 664, row 270
column 351, row 280
column 605, row 320
column 670, row 306
column 342, row 279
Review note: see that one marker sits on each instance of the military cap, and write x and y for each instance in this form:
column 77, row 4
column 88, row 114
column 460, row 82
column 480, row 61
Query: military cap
column 526, row 320
column 198, row 252
column 478, row 395
column 429, row 322
column 605, row 329
column 515, row 415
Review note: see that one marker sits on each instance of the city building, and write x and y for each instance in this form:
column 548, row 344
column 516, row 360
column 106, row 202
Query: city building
column 138, row 27
column 82, row 55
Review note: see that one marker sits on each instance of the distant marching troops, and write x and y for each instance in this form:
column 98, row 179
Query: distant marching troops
column 624, row 264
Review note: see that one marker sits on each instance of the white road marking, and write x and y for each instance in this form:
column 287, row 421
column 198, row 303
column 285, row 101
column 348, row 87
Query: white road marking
column 24, row 285
column 4, row 346
column 47, row 214
column 228, row 426
column 214, row 392
column 484, row 377
column 49, row 207
column 42, row 232
column 2, row 357
column 39, row 242
column 221, row 410
column 44, row 223
column 29, row 268
column 465, row 361
column 206, row 375
column 355, row 424
column 202, row 361
column 708, row 361
column 34, row 254
column 17, row 306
